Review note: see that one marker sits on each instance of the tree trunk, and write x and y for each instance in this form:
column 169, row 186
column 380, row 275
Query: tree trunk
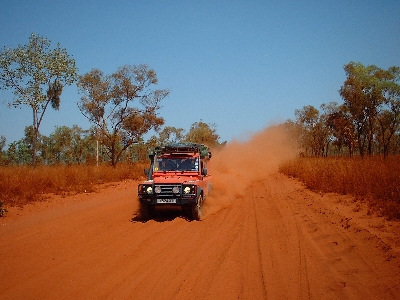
column 35, row 137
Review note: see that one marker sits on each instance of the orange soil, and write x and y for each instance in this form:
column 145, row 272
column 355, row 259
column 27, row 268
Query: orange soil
column 279, row 242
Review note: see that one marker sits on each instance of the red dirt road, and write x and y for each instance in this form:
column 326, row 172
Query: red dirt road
column 275, row 241
column 263, row 236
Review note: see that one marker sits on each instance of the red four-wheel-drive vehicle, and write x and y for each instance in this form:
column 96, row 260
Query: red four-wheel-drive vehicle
column 178, row 178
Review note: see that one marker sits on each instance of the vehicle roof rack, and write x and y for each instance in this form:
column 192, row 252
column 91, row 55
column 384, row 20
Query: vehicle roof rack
column 184, row 148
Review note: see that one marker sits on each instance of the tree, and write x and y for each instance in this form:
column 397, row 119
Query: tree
column 83, row 145
column 362, row 95
column 294, row 133
column 171, row 135
column 2, row 142
column 371, row 96
column 388, row 116
column 60, row 146
column 68, row 145
column 37, row 75
column 20, row 152
column 203, row 133
column 2, row 145
column 108, row 102
column 341, row 126
column 315, row 136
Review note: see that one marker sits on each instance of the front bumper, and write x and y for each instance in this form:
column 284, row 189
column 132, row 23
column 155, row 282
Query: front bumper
column 168, row 194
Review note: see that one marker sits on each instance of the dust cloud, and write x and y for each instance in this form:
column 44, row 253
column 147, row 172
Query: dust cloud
column 239, row 163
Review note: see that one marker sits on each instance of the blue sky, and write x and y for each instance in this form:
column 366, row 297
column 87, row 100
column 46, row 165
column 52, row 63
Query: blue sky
column 242, row 65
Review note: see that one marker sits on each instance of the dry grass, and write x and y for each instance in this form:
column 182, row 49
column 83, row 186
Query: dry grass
column 20, row 185
column 373, row 179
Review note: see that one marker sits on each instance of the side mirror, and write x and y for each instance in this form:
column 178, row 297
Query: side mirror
column 204, row 172
column 146, row 172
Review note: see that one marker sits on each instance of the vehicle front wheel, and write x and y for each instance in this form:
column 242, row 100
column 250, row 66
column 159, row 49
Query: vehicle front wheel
column 197, row 209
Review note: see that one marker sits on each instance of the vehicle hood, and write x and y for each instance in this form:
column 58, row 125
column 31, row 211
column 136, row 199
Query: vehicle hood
column 174, row 178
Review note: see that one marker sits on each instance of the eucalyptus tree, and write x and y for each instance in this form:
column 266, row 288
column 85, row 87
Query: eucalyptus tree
column 109, row 102
column 388, row 116
column 67, row 145
column 356, row 102
column 171, row 134
column 371, row 96
column 2, row 142
column 314, row 131
column 37, row 74
column 339, row 121
column 203, row 133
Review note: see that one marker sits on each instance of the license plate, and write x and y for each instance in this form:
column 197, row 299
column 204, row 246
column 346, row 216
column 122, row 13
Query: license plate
column 166, row 200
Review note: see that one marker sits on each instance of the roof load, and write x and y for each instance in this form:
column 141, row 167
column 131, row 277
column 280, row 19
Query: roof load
column 182, row 148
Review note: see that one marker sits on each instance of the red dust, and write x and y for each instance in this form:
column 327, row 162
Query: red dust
column 238, row 164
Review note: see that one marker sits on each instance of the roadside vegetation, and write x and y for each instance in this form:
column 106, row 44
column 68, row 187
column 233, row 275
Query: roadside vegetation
column 20, row 185
column 71, row 161
column 353, row 147
column 374, row 180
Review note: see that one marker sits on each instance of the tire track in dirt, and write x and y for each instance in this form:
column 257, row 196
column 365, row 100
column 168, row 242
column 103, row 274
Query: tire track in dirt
column 258, row 236
column 348, row 264
column 279, row 243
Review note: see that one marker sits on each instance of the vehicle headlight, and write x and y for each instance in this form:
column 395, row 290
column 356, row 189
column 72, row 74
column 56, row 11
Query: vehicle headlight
column 149, row 190
column 175, row 190
column 189, row 189
column 157, row 189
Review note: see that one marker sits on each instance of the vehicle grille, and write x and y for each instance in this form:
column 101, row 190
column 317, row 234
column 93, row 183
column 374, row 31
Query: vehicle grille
column 166, row 190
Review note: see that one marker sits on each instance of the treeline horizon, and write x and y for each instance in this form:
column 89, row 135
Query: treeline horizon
column 74, row 145
column 366, row 123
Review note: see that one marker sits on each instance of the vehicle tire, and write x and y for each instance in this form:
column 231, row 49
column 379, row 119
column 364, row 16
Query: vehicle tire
column 197, row 209
column 146, row 211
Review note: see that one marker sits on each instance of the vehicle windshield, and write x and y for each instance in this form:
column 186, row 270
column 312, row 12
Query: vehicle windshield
column 176, row 164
